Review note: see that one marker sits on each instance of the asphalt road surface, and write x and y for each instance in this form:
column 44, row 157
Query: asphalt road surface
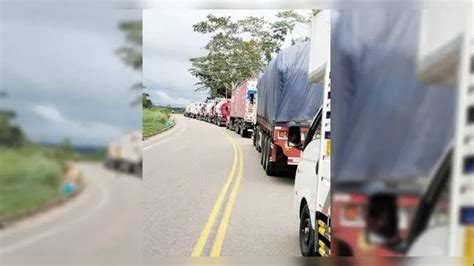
column 203, row 193
column 206, row 194
column 101, row 225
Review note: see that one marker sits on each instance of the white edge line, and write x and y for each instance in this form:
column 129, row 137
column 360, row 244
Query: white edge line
column 165, row 140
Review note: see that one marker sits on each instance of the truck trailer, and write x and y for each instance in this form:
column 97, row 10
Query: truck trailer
column 402, row 163
column 210, row 111
column 195, row 109
column 285, row 98
column 243, row 108
column 125, row 153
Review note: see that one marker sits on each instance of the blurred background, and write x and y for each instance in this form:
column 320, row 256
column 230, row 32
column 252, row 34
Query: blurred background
column 70, row 86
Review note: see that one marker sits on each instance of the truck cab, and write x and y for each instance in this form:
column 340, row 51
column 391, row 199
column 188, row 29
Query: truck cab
column 312, row 191
column 312, row 203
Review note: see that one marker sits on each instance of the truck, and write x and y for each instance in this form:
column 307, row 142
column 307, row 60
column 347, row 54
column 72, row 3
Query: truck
column 187, row 110
column 202, row 111
column 285, row 98
column 194, row 109
column 210, row 111
column 243, row 108
column 125, row 153
column 222, row 112
column 312, row 185
column 402, row 164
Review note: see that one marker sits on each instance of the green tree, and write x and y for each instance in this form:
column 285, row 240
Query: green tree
column 146, row 101
column 131, row 53
column 10, row 135
column 239, row 49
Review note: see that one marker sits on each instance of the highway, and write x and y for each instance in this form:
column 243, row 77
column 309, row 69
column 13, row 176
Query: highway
column 203, row 193
column 101, row 225
column 206, row 194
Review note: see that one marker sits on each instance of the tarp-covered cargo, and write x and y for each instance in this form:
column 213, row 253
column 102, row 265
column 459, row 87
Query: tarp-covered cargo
column 386, row 125
column 284, row 92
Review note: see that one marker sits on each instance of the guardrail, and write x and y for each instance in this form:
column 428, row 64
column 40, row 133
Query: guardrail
column 171, row 123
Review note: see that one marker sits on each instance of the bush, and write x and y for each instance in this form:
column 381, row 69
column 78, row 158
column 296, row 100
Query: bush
column 29, row 178
column 154, row 119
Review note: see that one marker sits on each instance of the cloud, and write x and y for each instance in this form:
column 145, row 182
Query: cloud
column 169, row 42
column 50, row 113
column 89, row 133
column 58, row 64
column 162, row 98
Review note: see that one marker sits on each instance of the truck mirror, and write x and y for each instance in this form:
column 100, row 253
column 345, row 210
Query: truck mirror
column 382, row 220
column 294, row 137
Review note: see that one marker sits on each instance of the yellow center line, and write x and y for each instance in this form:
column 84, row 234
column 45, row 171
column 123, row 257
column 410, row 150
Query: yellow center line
column 201, row 243
column 221, row 231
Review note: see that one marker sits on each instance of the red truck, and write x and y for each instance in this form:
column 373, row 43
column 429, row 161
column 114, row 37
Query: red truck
column 285, row 98
column 243, row 108
column 222, row 112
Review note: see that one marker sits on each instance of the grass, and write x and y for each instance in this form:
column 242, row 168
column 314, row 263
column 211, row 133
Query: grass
column 29, row 178
column 154, row 119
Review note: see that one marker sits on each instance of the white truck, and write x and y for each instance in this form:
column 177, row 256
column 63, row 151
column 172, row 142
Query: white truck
column 209, row 113
column 313, row 175
column 195, row 109
column 125, row 154
column 446, row 56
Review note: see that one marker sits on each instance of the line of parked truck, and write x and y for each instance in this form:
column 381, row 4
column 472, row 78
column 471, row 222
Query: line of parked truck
column 410, row 208
column 286, row 113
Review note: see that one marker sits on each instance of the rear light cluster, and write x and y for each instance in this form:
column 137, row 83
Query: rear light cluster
column 283, row 134
column 352, row 213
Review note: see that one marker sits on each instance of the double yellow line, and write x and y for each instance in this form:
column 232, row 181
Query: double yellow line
column 221, row 230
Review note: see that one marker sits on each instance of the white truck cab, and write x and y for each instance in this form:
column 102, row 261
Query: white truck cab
column 312, row 197
column 446, row 56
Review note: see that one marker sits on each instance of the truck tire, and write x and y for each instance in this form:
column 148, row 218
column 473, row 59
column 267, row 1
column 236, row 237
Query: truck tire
column 262, row 154
column 306, row 233
column 254, row 138
column 259, row 137
column 269, row 166
column 137, row 169
column 243, row 131
column 237, row 128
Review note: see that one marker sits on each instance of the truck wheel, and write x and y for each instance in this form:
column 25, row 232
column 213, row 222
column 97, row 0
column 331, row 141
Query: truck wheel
column 259, row 137
column 237, row 128
column 254, row 138
column 306, row 233
column 265, row 154
column 243, row 131
column 262, row 154
column 269, row 166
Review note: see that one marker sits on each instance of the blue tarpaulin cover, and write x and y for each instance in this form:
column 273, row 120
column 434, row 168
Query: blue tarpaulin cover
column 284, row 91
column 386, row 125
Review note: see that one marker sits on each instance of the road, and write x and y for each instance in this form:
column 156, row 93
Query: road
column 101, row 225
column 200, row 200
column 196, row 174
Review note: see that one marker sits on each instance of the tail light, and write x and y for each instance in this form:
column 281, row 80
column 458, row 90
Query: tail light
column 282, row 134
column 351, row 213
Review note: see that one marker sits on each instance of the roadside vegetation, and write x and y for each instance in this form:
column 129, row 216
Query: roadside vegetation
column 30, row 174
column 29, row 178
column 154, row 120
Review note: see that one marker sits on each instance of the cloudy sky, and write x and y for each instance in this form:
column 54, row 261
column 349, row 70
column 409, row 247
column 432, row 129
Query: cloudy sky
column 168, row 44
column 61, row 74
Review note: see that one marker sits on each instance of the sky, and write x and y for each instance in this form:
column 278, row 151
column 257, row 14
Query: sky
column 62, row 76
column 168, row 44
